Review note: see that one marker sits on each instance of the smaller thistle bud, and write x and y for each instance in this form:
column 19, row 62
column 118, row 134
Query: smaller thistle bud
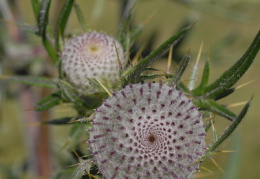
column 92, row 55
column 147, row 131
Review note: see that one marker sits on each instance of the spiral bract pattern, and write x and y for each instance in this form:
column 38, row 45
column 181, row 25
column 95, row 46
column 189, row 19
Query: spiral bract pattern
column 92, row 55
column 147, row 131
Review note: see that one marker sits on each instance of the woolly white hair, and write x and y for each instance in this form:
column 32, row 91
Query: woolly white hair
column 92, row 55
column 147, row 131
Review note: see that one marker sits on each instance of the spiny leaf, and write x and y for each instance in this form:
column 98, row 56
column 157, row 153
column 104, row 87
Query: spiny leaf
column 230, row 128
column 205, row 78
column 48, row 102
column 62, row 21
column 43, row 16
column 181, row 68
column 48, row 98
column 132, row 75
column 232, row 75
column 212, row 106
column 31, row 80
column 80, row 17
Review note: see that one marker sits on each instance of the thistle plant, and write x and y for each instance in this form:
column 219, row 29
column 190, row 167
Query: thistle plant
column 92, row 55
column 136, row 128
column 147, row 131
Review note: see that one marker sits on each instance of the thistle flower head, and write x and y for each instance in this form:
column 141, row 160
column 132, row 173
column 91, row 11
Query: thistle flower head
column 92, row 55
column 147, row 131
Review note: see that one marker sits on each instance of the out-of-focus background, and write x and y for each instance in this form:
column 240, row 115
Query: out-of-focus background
column 225, row 27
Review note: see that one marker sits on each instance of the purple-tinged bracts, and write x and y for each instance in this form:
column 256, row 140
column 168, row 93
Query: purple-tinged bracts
column 92, row 55
column 159, row 134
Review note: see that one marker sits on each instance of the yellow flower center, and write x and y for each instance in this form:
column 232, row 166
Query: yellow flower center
column 94, row 49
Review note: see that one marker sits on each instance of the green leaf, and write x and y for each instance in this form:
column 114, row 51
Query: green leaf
column 80, row 16
column 230, row 128
column 181, row 68
column 43, row 16
column 50, row 49
column 224, row 94
column 49, row 102
column 31, row 80
column 36, row 7
column 232, row 75
column 147, row 77
column 132, row 75
column 212, row 106
column 183, row 87
column 61, row 121
column 204, row 80
column 151, row 69
column 62, row 21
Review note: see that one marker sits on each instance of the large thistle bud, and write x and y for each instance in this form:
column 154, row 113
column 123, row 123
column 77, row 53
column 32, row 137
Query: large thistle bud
column 92, row 55
column 147, row 131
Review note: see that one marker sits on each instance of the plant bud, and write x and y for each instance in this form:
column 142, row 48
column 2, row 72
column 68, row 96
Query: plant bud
column 92, row 55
